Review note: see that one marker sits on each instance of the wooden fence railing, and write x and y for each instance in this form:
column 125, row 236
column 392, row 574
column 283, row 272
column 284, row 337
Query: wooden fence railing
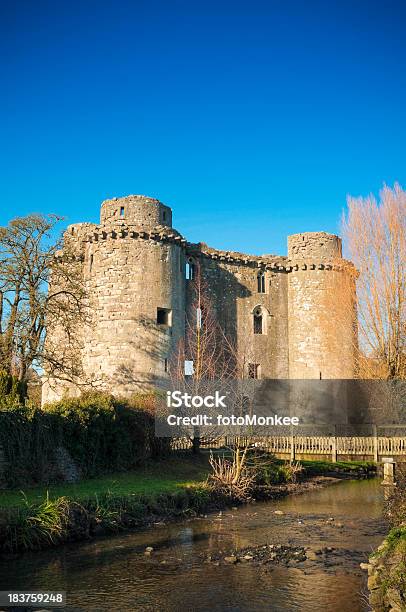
column 374, row 447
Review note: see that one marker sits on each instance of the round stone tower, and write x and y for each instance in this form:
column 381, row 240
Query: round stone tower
column 133, row 266
column 136, row 209
column 321, row 308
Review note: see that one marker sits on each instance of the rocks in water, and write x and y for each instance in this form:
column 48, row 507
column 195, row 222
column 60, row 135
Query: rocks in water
column 261, row 555
column 148, row 550
column 278, row 512
column 311, row 555
column 324, row 551
column 231, row 559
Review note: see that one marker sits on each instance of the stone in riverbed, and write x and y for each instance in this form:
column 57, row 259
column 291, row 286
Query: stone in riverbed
column 232, row 559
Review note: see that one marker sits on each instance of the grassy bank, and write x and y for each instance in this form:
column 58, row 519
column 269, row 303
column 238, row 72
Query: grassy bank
column 387, row 572
column 387, row 565
column 354, row 469
column 164, row 489
column 155, row 477
column 168, row 475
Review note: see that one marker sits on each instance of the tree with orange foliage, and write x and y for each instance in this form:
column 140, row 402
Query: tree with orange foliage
column 374, row 235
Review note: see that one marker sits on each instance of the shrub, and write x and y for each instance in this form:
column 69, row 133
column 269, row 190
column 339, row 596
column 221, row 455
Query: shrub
column 104, row 434
column 27, row 438
column 12, row 391
column 100, row 433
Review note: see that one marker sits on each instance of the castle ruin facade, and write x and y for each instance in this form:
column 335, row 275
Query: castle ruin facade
column 138, row 271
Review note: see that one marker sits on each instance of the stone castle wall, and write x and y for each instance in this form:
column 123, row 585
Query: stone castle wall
column 232, row 286
column 133, row 266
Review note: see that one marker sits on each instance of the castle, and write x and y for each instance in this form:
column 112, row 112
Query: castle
column 139, row 273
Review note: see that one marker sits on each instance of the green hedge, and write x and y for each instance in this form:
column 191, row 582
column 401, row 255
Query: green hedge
column 12, row 390
column 101, row 434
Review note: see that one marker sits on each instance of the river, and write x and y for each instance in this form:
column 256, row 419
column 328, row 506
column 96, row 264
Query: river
column 114, row 573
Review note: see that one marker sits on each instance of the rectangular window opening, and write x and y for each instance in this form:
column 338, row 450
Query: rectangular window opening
column 261, row 283
column 254, row 370
column 122, row 211
column 189, row 370
column 190, row 271
column 164, row 316
column 166, row 364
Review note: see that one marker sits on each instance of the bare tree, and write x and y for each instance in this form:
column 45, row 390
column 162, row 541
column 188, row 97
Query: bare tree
column 28, row 256
column 374, row 234
column 203, row 355
column 213, row 356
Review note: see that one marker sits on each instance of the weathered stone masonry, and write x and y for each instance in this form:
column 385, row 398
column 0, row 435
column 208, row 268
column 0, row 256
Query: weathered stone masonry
column 134, row 264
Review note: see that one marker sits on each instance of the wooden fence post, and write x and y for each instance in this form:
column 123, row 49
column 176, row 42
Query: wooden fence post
column 292, row 447
column 334, row 449
column 376, row 449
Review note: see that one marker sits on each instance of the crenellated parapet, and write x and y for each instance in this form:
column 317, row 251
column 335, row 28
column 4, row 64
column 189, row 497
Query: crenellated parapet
column 276, row 263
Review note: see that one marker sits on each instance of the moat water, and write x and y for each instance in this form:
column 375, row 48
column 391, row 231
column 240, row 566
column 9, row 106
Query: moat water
column 115, row 574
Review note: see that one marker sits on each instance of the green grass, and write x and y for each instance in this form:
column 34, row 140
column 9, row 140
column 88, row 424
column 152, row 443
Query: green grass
column 320, row 467
column 395, row 538
column 166, row 475
column 163, row 476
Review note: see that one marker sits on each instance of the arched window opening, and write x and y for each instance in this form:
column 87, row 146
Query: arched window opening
column 258, row 321
column 261, row 282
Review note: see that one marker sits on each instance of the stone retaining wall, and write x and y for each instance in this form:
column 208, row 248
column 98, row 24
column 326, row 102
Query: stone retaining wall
column 383, row 596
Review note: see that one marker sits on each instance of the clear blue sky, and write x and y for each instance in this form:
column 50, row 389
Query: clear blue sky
column 251, row 119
